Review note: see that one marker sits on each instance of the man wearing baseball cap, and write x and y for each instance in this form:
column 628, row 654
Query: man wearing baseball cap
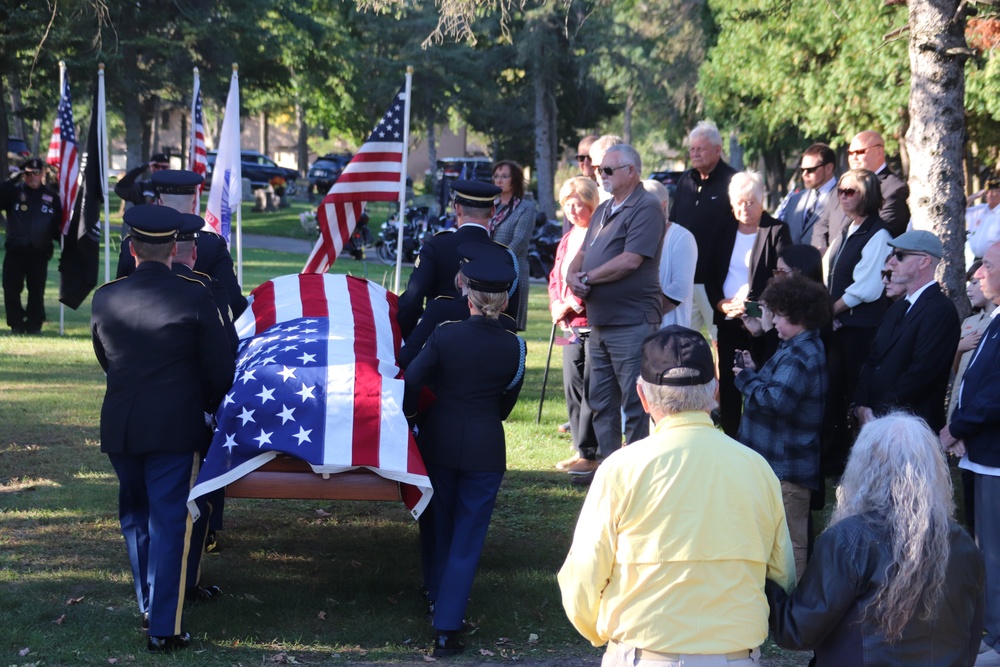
column 136, row 191
column 909, row 362
column 34, row 215
column 679, row 530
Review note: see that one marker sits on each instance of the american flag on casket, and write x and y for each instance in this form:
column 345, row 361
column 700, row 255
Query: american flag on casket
column 316, row 378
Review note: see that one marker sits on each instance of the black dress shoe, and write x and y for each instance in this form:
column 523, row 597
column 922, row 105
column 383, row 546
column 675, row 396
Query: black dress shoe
column 445, row 644
column 168, row 644
column 197, row 594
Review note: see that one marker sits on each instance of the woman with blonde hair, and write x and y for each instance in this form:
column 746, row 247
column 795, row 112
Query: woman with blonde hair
column 893, row 580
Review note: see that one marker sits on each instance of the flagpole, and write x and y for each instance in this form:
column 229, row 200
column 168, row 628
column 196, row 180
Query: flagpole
column 401, row 219
column 191, row 143
column 102, row 130
column 239, row 202
column 62, row 239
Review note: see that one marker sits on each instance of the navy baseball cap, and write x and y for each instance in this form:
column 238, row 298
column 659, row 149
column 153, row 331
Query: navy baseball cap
column 675, row 347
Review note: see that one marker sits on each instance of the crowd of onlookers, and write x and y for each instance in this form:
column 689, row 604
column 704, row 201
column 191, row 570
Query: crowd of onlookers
column 826, row 322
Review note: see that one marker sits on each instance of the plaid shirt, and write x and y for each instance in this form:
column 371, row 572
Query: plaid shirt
column 783, row 405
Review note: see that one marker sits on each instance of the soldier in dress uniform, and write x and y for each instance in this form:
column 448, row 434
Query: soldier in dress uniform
column 134, row 190
column 34, row 215
column 161, row 341
column 184, row 262
column 434, row 271
column 178, row 188
column 475, row 369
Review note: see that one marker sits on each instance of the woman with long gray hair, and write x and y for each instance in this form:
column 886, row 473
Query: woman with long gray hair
column 893, row 580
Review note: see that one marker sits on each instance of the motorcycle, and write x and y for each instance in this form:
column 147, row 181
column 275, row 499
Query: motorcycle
column 418, row 226
column 361, row 238
column 542, row 248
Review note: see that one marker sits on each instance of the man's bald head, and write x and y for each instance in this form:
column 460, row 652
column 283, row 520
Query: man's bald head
column 867, row 151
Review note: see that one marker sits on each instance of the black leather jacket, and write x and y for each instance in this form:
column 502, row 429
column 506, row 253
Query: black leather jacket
column 825, row 612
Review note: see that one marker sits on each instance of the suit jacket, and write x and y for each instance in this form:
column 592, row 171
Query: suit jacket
column 475, row 369
column 894, row 212
column 803, row 227
column 772, row 237
column 976, row 420
column 434, row 272
column 910, row 359
column 161, row 341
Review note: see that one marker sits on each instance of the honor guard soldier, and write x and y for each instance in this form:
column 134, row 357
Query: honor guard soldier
column 475, row 369
column 186, row 259
column 33, row 218
column 136, row 191
column 162, row 344
column 177, row 189
column 438, row 262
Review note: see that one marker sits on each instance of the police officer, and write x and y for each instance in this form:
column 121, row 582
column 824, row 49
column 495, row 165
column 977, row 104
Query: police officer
column 162, row 344
column 34, row 215
column 438, row 262
column 475, row 369
column 178, row 188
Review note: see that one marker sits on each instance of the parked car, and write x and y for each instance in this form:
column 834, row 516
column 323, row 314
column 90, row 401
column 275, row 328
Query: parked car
column 669, row 179
column 260, row 169
column 325, row 171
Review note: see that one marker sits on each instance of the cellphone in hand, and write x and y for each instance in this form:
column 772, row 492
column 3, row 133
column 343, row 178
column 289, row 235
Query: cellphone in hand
column 738, row 359
column 752, row 309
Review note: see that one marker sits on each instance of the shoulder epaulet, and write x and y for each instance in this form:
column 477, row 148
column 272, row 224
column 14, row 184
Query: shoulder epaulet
column 441, row 324
column 449, row 230
column 112, row 281
column 444, row 297
column 190, row 280
column 508, row 317
column 203, row 274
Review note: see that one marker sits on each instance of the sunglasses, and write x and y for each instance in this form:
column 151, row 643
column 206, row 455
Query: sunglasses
column 900, row 255
column 608, row 171
column 812, row 170
column 582, row 158
column 846, row 192
column 862, row 151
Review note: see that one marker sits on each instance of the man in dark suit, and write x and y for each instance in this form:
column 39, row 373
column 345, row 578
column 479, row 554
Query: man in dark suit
column 867, row 151
column 806, row 208
column 973, row 433
column 910, row 358
column 439, row 259
column 161, row 341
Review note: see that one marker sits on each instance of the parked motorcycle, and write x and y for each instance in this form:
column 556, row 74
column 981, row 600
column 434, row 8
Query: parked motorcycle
column 361, row 238
column 417, row 228
column 544, row 243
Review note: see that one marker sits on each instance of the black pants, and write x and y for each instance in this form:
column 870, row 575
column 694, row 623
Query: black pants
column 848, row 351
column 576, row 386
column 25, row 264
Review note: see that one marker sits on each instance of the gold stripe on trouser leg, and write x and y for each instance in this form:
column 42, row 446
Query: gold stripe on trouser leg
column 188, row 526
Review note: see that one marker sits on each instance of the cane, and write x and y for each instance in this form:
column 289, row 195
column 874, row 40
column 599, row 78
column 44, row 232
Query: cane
column 545, row 377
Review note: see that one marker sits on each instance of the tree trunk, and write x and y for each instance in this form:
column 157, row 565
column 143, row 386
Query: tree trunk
column 185, row 146
column 4, row 134
column 774, row 177
column 936, row 133
column 302, row 142
column 147, row 111
column 16, row 105
column 627, row 117
column 432, row 150
column 132, row 108
column 545, row 121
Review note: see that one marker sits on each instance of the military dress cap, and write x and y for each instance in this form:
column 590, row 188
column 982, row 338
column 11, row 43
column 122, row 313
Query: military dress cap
column 487, row 267
column 153, row 224
column 176, row 182
column 918, row 240
column 33, row 165
column 160, row 158
column 475, row 193
column 677, row 347
column 191, row 224
column 993, row 183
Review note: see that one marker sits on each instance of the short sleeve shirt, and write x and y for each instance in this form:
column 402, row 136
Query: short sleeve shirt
column 637, row 226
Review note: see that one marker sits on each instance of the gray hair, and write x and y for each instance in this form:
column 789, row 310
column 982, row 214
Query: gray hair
column 708, row 130
column 898, row 474
column 658, row 190
column 604, row 143
column 671, row 400
column 746, row 183
column 629, row 155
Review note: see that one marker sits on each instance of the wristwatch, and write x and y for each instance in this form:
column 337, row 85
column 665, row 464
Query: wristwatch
column 585, row 279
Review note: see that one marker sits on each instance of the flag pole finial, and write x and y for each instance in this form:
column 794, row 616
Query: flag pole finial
column 100, row 66
column 236, row 67
column 409, row 69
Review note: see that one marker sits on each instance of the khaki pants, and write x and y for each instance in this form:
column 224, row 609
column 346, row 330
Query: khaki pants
column 622, row 655
column 796, row 500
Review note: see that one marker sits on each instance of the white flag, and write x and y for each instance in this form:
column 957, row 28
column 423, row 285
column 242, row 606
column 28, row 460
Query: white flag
column 227, row 176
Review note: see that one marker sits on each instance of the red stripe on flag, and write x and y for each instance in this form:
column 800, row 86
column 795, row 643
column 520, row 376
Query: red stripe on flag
column 264, row 311
column 369, row 177
column 376, row 156
column 367, row 379
column 313, row 295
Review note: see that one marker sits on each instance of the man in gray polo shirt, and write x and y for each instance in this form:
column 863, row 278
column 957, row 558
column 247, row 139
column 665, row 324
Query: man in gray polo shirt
column 616, row 273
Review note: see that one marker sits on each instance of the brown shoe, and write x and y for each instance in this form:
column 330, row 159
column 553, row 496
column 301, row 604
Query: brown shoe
column 583, row 467
column 564, row 465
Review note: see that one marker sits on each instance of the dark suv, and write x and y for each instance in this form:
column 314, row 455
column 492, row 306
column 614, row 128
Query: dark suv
column 325, row 171
column 260, row 169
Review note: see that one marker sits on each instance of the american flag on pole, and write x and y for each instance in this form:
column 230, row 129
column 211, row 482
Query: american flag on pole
column 198, row 157
column 316, row 378
column 373, row 174
column 63, row 152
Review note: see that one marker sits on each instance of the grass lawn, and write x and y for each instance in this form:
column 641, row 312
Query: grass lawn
column 305, row 582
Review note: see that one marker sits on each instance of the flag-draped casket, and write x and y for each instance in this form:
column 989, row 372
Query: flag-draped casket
column 316, row 378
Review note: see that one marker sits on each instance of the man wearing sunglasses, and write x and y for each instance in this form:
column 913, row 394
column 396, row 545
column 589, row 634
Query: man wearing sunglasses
column 910, row 359
column 583, row 159
column 806, row 208
column 867, row 151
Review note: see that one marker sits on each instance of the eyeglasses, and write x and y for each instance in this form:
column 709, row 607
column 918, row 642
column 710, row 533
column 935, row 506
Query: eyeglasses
column 608, row 171
column 900, row 255
column 862, row 151
column 780, row 272
column 846, row 192
column 812, row 170
column 583, row 158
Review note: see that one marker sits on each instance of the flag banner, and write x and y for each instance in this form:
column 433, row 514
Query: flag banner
column 64, row 153
column 372, row 175
column 316, row 378
column 227, row 174
column 198, row 156
column 78, row 262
